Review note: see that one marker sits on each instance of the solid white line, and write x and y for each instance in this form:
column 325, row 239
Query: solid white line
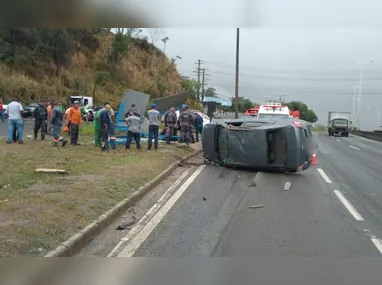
column 349, row 206
column 132, row 247
column 323, row 174
column 378, row 243
column 150, row 213
column 338, row 140
column 354, row 147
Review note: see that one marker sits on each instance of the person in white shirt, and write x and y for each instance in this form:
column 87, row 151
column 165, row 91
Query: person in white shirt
column 15, row 121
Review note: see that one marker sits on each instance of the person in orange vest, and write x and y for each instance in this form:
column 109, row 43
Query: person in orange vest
column 74, row 120
column 49, row 124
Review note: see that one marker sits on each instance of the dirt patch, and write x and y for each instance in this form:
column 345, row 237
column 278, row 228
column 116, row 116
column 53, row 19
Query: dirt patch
column 39, row 211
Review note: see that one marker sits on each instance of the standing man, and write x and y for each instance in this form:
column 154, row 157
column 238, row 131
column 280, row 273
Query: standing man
column 185, row 122
column 75, row 120
column 40, row 116
column 133, row 109
column 105, row 123
column 169, row 122
column 49, row 112
column 134, row 124
column 153, row 115
column 198, row 126
column 56, row 122
column 1, row 110
column 15, row 121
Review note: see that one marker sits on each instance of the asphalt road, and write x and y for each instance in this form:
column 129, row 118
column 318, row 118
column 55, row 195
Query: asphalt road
column 28, row 126
column 334, row 210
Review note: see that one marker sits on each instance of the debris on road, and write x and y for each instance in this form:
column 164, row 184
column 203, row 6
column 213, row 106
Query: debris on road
column 126, row 223
column 48, row 170
column 204, row 199
column 253, row 184
column 287, row 186
column 93, row 243
column 256, row 206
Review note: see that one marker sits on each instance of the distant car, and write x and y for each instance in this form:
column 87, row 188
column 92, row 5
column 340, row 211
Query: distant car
column 282, row 145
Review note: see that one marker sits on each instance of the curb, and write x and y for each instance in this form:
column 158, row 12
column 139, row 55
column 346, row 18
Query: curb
column 82, row 238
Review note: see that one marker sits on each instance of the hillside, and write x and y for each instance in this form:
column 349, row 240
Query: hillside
column 46, row 64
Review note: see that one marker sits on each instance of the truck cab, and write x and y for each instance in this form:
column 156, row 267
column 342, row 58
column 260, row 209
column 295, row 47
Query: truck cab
column 339, row 126
column 86, row 102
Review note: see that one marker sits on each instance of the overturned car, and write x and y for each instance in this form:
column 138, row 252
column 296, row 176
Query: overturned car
column 270, row 145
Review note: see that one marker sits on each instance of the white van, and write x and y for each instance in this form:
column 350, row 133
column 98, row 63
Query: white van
column 273, row 110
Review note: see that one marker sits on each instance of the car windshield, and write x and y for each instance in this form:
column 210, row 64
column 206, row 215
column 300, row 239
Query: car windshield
column 340, row 121
column 272, row 116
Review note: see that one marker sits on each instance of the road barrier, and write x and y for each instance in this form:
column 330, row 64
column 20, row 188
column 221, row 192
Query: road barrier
column 370, row 135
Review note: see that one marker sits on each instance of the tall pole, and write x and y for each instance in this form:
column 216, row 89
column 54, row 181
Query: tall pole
column 353, row 112
column 368, row 113
column 237, row 76
column 361, row 63
column 198, row 91
column 203, row 75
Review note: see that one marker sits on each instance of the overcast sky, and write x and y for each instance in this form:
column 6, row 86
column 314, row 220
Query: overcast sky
column 311, row 65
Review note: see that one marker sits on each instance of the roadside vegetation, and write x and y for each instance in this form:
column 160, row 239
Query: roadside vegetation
column 39, row 211
column 44, row 64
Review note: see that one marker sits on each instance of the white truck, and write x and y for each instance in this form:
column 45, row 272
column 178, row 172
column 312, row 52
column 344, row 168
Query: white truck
column 85, row 101
column 273, row 110
column 339, row 123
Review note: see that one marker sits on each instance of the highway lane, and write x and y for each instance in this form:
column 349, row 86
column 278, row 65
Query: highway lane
column 318, row 217
column 354, row 164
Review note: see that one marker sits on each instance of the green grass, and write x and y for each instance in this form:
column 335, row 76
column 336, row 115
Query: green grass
column 38, row 211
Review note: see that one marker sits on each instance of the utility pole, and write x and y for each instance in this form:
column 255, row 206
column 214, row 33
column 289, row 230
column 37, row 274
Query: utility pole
column 361, row 63
column 198, row 71
column 204, row 73
column 237, row 76
column 280, row 98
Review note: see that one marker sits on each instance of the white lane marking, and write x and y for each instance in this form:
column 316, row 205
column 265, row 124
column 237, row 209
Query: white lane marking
column 132, row 247
column 354, row 147
column 323, row 174
column 348, row 206
column 150, row 213
column 338, row 140
column 377, row 242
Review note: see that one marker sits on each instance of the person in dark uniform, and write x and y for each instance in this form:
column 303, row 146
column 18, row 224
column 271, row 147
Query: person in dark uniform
column 198, row 126
column 40, row 116
column 105, row 122
column 185, row 122
column 170, row 122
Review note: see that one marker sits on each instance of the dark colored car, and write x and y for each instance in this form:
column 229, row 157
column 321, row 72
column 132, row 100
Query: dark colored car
column 274, row 145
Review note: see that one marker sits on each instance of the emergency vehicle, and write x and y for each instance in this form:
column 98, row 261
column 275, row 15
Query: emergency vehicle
column 273, row 110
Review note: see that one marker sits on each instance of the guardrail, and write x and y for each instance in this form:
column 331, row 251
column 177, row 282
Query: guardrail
column 370, row 135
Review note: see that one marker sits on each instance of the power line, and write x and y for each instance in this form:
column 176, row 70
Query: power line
column 291, row 71
column 254, row 76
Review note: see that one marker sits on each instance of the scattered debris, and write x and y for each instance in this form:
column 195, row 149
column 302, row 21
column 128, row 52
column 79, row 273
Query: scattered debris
column 253, row 184
column 126, row 223
column 93, row 243
column 256, row 206
column 48, row 170
column 204, row 199
column 287, row 186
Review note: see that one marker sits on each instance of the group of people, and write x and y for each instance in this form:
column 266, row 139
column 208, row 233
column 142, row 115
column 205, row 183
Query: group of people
column 50, row 117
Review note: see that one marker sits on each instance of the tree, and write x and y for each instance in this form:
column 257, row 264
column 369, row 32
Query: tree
column 210, row 92
column 243, row 105
column 100, row 78
column 191, row 85
column 305, row 113
column 155, row 35
column 119, row 48
column 130, row 32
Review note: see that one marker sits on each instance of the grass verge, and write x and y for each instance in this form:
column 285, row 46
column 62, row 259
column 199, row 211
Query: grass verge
column 39, row 211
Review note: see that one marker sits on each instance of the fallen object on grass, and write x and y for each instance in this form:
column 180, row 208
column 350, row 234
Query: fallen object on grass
column 256, row 206
column 48, row 170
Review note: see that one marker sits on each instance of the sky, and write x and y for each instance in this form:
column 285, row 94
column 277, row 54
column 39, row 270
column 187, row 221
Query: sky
column 312, row 65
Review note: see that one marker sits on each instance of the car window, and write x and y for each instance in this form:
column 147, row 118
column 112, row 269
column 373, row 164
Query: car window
column 223, row 143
